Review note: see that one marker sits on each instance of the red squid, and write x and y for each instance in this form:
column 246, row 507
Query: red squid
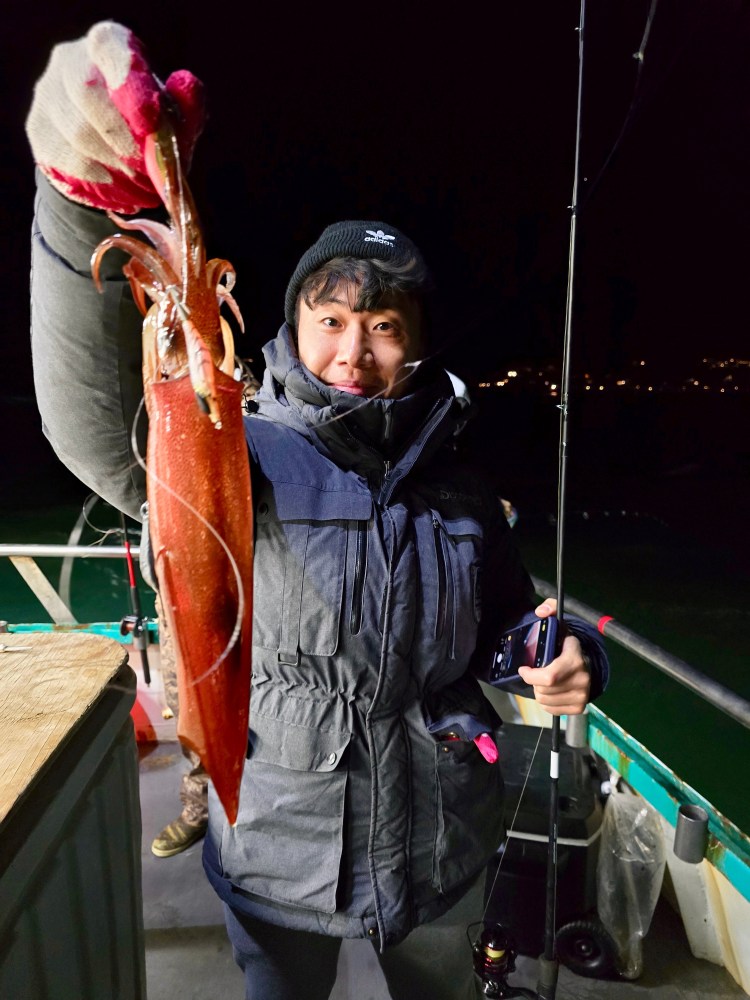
column 197, row 467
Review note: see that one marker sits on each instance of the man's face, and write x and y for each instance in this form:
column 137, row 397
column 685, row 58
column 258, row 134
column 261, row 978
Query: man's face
column 363, row 353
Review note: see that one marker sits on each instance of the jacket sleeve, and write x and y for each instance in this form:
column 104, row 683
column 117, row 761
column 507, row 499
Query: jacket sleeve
column 506, row 590
column 86, row 351
column 593, row 648
column 508, row 594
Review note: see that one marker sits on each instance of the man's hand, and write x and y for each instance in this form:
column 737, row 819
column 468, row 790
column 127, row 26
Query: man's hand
column 562, row 687
column 93, row 108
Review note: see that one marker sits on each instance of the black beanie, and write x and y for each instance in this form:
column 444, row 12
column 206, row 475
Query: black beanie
column 354, row 239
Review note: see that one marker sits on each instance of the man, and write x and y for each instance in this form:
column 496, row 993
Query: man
column 371, row 799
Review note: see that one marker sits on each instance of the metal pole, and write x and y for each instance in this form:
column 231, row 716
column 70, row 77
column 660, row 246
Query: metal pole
column 708, row 689
column 37, row 551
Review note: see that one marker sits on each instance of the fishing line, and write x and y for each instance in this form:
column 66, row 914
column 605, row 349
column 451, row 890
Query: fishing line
column 512, row 825
column 202, row 520
column 636, row 105
column 381, row 393
column 66, row 570
column 103, row 533
column 175, row 189
column 562, row 458
column 638, row 101
column 547, row 962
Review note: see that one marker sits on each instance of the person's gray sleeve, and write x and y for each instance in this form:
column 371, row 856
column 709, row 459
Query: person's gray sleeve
column 86, row 351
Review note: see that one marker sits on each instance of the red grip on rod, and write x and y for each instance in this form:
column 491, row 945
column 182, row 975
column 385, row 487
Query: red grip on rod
column 129, row 560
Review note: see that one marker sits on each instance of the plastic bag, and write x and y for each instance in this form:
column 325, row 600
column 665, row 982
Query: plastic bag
column 629, row 875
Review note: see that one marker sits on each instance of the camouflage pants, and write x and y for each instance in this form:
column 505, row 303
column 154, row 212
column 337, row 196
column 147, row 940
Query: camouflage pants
column 194, row 788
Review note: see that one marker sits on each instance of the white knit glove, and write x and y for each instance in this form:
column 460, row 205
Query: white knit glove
column 93, row 108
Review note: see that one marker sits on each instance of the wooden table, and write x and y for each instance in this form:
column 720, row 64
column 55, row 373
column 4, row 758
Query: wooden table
column 71, row 922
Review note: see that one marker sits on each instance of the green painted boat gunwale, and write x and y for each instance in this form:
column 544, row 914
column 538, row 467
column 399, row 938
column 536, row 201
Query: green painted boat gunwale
column 728, row 847
column 109, row 629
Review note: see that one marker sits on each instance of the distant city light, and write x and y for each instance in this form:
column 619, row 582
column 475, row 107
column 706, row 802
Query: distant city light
column 527, row 379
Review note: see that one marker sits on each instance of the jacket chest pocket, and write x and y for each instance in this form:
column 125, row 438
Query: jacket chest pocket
column 453, row 588
column 299, row 573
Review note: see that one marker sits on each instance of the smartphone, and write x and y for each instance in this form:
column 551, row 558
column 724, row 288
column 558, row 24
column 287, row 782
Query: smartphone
column 531, row 645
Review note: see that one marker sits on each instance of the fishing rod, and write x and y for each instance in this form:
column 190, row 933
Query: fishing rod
column 494, row 952
column 548, row 961
column 135, row 623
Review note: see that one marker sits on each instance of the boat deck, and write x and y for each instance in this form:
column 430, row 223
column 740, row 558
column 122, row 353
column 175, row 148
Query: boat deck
column 188, row 955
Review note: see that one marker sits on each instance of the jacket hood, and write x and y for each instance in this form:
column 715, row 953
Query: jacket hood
column 358, row 433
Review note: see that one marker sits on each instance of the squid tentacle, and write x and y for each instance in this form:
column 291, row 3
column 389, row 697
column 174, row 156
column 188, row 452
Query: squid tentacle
column 160, row 235
column 223, row 295
column 144, row 254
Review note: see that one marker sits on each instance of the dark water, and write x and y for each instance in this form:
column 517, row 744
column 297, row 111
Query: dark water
column 99, row 589
column 681, row 595
column 657, row 536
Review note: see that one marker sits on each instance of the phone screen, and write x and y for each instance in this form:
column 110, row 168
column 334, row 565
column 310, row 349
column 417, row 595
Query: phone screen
column 526, row 646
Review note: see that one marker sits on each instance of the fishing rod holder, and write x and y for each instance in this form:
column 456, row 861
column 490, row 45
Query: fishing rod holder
column 494, row 957
column 691, row 834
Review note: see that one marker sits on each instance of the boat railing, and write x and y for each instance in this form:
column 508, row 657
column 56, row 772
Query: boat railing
column 24, row 557
column 716, row 694
column 727, row 847
column 732, row 704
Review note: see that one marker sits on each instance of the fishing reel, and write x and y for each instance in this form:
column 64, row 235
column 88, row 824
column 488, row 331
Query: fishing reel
column 494, row 957
column 137, row 627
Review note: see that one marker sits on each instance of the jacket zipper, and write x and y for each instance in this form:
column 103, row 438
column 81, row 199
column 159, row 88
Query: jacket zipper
column 360, row 566
column 388, row 426
column 442, row 579
column 387, row 488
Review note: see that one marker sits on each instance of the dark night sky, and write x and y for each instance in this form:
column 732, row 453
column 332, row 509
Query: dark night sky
column 459, row 128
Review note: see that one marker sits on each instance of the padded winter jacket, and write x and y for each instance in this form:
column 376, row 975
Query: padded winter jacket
column 384, row 570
